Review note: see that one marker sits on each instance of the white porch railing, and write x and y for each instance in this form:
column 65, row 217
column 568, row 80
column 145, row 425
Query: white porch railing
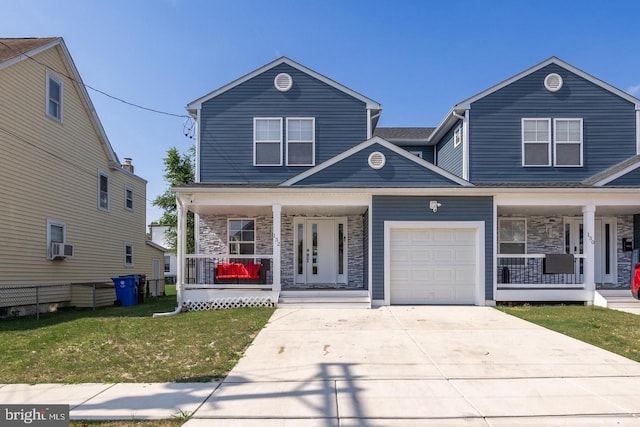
column 228, row 272
column 527, row 271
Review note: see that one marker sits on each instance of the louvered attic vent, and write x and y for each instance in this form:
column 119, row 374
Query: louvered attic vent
column 377, row 160
column 553, row 82
column 283, row 82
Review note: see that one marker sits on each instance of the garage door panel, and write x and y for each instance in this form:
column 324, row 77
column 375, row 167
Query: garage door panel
column 433, row 266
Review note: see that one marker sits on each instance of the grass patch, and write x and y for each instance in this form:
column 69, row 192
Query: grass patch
column 611, row 330
column 125, row 344
column 127, row 423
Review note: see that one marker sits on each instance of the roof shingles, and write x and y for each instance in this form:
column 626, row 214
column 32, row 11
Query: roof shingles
column 10, row 48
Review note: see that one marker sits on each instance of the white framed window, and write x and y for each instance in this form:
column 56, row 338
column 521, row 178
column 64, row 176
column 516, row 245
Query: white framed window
column 536, row 142
column 457, row 136
column 267, row 141
column 512, row 236
column 128, row 254
column 128, row 198
column 301, row 141
column 103, row 190
column 416, row 153
column 56, row 233
column 54, row 96
column 167, row 264
column 242, row 236
column 567, row 142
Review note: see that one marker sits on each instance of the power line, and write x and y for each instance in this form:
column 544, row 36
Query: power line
column 98, row 90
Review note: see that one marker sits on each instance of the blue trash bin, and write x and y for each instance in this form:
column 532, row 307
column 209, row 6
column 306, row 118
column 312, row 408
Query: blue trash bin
column 126, row 290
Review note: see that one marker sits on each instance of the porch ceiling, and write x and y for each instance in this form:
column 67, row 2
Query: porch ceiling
column 566, row 210
column 286, row 210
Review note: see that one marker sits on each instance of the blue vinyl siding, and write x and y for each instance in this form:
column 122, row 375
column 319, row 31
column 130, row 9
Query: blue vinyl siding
column 449, row 157
column 426, row 152
column 631, row 179
column 495, row 155
column 354, row 171
column 226, row 125
column 416, row 208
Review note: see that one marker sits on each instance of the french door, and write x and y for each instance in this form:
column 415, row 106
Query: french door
column 320, row 251
column 605, row 246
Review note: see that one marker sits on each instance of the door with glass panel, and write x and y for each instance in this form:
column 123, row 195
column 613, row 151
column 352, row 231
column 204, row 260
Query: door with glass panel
column 320, row 251
column 604, row 243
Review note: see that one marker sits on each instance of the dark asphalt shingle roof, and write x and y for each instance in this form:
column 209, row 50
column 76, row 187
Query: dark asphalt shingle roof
column 403, row 134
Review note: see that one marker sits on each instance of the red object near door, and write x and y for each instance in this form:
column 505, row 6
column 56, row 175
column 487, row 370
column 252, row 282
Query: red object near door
column 635, row 282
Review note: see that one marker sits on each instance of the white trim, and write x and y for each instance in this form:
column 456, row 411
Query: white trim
column 31, row 53
column 637, row 131
column 457, row 136
column 57, row 223
column 555, row 142
column 477, row 226
column 313, row 140
column 386, row 144
column 371, row 104
column 50, row 75
column 523, row 142
column 102, row 173
column 197, row 144
column 465, row 147
column 466, row 104
column 369, row 247
column 617, row 175
column 132, row 263
column 368, row 123
column 129, row 188
column 512, row 218
column 239, row 242
column 495, row 249
column 255, row 142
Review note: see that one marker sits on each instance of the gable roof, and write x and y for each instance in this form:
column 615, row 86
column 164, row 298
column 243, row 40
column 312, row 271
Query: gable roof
column 614, row 172
column 460, row 108
column 13, row 51
column 408, row 135
column 388, row 145
column 370, row 103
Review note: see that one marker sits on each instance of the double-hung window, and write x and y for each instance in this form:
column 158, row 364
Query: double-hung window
column 267, row 141
column 300, row 141
column 567, row 142
column 103, row 191
column 512, row 237
column 536, row 142
column 128, row 198
column 56, row 233
column 54, row 97
column 128, row 254
column 242, row 233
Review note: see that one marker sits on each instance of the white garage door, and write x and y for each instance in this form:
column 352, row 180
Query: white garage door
column 433, row 266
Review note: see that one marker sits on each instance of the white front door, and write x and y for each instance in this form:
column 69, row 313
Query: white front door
column 320, row 251
column 605, row 248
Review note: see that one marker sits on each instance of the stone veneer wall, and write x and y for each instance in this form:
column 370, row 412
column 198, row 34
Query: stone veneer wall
column 213, row 240
column 546, row 235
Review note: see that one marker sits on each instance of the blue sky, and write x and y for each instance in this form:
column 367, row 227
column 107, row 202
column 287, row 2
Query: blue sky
column 417, row 58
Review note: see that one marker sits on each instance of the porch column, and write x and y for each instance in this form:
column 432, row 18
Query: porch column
column 277, row 210
column 589, row 249
column 181, row 246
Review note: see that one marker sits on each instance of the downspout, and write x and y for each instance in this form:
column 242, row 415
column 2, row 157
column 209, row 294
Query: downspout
column 180, row 264
column 371, row 119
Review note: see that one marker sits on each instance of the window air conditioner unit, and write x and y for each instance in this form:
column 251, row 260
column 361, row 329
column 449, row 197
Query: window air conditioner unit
column 61, row 251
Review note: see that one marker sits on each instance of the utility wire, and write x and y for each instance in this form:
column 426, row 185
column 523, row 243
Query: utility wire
column 98, row 90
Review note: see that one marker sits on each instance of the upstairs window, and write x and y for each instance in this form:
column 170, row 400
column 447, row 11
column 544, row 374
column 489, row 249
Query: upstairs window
column 536, row 142
column 300, row 141
column 103, row 191
column 267, row 137
column 128, row 198
column 242, row 237
column 54, row 97
column 457, row 136
column 568, row 142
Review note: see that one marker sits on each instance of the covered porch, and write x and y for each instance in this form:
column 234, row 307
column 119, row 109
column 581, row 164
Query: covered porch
column 562, row 246
column 262, row 248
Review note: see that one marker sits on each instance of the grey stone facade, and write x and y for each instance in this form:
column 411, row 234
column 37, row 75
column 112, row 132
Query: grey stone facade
column 213, row 240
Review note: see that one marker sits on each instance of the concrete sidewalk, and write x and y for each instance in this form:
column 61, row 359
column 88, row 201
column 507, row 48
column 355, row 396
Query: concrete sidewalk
column 392, row 366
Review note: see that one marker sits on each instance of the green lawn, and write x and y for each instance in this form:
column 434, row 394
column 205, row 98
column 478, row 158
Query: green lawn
column 613, row 330
column 125, row 344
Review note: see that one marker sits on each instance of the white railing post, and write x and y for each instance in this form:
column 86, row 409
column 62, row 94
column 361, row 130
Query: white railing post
column 181, row 246
column 588, row 219
column 277, row 210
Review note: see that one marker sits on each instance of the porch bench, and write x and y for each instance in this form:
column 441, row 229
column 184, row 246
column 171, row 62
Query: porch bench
column 238, row 273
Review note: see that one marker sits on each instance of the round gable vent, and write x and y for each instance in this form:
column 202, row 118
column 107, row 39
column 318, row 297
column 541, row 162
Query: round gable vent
column 553, row 82
column 377, row 160
column 283, row 82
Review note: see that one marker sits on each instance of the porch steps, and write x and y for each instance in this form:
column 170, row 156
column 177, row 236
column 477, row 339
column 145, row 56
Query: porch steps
column 314, row 298
column 619, row 299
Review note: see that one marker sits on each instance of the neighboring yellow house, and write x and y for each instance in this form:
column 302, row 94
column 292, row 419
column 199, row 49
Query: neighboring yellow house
column 71, row 212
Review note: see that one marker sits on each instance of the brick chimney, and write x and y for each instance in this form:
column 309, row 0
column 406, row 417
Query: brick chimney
column 127, row 164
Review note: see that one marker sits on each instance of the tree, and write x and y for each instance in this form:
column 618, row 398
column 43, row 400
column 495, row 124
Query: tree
column 178, row 170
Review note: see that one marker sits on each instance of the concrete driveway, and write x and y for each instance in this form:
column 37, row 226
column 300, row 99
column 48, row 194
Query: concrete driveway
column 417, row 366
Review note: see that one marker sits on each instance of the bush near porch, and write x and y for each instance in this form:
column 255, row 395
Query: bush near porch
column 611, row 330
column 125, row 344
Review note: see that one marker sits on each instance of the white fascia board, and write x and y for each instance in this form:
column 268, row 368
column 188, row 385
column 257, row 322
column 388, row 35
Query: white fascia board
column 198, row 149
column 445, row 125
column 31, row 53
column 599, row 197
column 637, row 130
column 370, row 103
column 617, row 175
column 466, row 104
column 383, row 142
